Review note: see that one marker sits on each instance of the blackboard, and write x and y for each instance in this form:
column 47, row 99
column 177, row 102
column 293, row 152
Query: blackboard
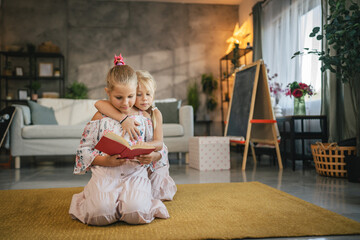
column 240, row 105
column 250, row 112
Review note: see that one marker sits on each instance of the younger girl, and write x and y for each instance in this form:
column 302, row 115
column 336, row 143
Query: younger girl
column 119, row 189
column 163, row 186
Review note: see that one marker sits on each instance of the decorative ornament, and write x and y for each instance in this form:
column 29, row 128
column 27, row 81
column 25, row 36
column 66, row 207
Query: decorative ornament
column 118, row 60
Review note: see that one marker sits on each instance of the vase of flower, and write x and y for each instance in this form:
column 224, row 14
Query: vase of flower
column 275, row 90
column 277, row 108
column 299, row 106
column 299, row 91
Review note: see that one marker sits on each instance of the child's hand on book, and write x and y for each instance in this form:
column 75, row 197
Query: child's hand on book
column 114, row 160
column 147, row 159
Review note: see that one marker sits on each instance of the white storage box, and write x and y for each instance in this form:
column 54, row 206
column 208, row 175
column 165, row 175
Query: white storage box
column 209, row 153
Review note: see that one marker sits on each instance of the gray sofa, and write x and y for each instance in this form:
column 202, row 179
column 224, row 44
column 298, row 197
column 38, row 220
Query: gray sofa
column 27, row 139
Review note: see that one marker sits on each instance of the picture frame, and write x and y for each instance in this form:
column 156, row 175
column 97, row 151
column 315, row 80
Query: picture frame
column 23, row 94
column 19, row 71
column 46, row 69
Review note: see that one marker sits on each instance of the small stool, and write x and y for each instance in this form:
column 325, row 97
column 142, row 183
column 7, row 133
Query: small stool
column 209, row 153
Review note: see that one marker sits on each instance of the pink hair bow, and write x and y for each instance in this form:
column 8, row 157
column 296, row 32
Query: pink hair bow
column 118, row 60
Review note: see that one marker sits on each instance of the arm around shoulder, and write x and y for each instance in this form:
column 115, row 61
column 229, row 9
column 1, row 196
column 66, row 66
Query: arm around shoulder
column 97, row 116
column 106, row 108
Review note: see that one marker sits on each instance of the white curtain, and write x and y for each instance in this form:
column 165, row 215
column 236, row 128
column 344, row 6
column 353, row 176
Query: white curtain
column 286, row 25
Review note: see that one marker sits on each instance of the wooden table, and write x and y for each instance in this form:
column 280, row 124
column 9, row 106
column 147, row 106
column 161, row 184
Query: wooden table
column 292, row 129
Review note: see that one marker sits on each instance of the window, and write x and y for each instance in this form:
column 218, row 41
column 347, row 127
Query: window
column 285, row 27
column 309, row 64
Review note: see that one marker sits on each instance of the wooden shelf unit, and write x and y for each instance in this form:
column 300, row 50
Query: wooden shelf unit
column 30, row 64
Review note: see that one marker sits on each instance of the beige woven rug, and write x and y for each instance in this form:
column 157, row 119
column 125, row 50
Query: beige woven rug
column 199, row 211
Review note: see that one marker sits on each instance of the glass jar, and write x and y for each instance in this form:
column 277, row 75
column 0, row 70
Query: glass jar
column 299, row 106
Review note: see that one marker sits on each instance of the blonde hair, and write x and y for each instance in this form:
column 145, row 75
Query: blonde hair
column 146, row 79
column 122, row 74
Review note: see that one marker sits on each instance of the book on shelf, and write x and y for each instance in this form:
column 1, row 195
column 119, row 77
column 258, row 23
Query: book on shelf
column 113, row 144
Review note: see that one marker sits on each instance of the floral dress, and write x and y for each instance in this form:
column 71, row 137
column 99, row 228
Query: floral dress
column 163, row 186
column 121, row 193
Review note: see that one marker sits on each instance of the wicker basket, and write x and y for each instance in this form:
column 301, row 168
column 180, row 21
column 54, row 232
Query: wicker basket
column 329, row 158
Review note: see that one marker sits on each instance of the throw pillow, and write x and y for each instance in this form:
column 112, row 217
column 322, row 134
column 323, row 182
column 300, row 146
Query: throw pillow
column 169, row 111
column 41, row 115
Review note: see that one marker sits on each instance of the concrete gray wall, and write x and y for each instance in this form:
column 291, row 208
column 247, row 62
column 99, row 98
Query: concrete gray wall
column 175, row 42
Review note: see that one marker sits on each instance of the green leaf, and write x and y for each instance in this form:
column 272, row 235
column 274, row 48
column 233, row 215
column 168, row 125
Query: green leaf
column 77, row 91
column 354, row 7
column 316, row 30
column 341, row 33
column 338, row 4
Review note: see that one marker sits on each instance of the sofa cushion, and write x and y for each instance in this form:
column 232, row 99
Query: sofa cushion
column 173, row 130
column 169, row 110
column 52, row 132
column 71, row 111
column 26, row 113
column 41, row 115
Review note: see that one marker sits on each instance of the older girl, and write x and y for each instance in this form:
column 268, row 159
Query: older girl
column 119, row 189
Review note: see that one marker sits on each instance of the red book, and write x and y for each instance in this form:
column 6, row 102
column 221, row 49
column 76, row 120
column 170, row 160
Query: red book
column 113, row 144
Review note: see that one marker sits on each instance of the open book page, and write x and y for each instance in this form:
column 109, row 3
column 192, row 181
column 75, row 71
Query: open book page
column 117, row 138
column 113, row 144
column 122, row 140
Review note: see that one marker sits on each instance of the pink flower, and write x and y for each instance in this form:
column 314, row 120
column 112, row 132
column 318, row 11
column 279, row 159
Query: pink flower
column 297, row 93
column 303, row 86
column 275, row 87
column 288, row 93
column 299, row 89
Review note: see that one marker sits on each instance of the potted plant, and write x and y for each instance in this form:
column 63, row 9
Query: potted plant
column 276, row 90
column 77, row 91
column 299, row 91
column 209, row 85
column 193, row 97
column 34, row 87
column 342, row 33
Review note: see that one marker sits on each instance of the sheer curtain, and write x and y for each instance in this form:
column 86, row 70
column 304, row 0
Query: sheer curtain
column 285, row 28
